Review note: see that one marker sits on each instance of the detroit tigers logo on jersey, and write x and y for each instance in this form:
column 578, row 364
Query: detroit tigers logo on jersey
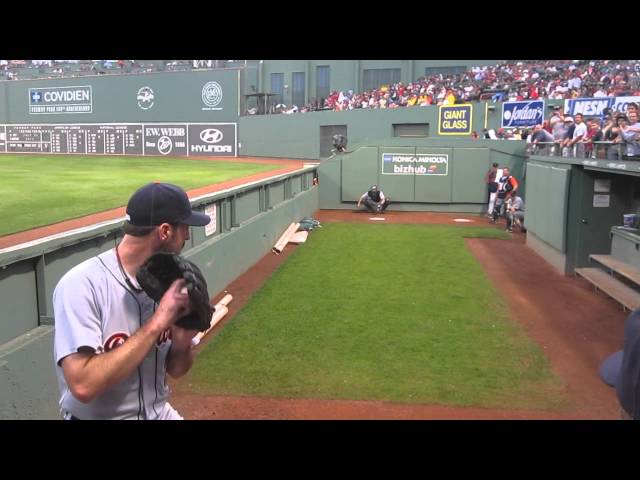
column 164, row 337
column 115, row 340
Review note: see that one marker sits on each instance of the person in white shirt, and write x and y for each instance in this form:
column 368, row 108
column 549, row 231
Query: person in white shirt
column 578, row 134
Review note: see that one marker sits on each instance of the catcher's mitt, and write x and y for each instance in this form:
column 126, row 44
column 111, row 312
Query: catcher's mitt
column 158, row 273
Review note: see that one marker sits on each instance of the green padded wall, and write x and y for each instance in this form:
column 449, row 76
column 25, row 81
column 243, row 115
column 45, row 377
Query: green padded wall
column 399, row 188
column 298, row 135
column 359, row 173
column 546, row 212
column 461, row 189
column 178, row 96
column 19, row 300
column 434, row 189
column 469, row 168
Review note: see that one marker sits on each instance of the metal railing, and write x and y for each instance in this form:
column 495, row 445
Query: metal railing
column 597, row 150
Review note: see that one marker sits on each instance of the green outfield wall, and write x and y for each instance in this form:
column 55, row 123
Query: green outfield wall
column 303, row 135
column 198, row 96
column 419, row 174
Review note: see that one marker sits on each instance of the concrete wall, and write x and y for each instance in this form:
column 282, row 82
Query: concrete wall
column 298, row 135
column 27, row 377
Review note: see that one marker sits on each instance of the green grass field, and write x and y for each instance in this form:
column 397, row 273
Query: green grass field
column 38, row 190
column 400, row 313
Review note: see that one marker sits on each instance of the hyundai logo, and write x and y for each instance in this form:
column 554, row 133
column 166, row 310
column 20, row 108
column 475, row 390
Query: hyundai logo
column 211, row 135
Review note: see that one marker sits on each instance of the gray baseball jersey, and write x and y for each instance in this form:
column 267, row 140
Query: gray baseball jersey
column 94, row 307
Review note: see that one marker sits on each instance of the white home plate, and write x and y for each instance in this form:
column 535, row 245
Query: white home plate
column 378, row 219
column 464, row 220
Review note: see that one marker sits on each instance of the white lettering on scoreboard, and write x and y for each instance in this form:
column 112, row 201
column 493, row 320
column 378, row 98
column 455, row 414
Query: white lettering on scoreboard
column 182, row 139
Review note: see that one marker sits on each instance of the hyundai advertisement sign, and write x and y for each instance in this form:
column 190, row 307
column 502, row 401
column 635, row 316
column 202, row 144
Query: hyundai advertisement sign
column 522, row 114
column 212, row 139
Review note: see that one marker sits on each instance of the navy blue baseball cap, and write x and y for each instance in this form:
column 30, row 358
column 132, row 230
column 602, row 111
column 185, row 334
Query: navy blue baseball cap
column 610, row 369
column 157, row 203
column 621, row 370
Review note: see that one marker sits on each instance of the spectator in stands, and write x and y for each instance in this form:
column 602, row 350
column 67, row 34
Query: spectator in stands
column 559, row 129
column 611, row 133
column 556, row 116
column 600, row 92
column 594, row 134
column 374, row 200
column 490, row 134
column 540, row 135
column 568, row 135
column 610, row 127
column 630, row 135
column 576, row 148
column 450, row 98
column 516, row 81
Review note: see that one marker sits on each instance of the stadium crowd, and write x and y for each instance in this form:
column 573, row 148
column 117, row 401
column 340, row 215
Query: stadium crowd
column 511, row 81
column 616, row 135
column 28, row 69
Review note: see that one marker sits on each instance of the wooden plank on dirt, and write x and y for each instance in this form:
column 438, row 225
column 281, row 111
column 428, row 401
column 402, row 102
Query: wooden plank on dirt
column 627, row 271
column 612, row 287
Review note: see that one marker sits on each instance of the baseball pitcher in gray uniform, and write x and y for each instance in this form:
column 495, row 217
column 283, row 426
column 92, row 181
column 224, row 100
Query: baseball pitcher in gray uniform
column 113, row 345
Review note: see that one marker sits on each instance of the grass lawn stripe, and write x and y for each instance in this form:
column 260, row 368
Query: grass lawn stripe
column 401, row 313
column 39, row 190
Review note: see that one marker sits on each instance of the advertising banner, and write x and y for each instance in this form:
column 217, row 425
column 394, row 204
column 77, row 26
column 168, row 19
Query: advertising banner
column 455, row 119
column 522, row 114
column 171, row 139
column 47, row 100
column 594, row 107
column 422, row 164
column 212, row 139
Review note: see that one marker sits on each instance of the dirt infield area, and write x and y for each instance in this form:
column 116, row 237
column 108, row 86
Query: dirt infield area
column 41, row 232
column 574, row 326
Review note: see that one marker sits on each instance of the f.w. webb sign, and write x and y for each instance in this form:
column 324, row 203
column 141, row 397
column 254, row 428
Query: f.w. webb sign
column 193, row 139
